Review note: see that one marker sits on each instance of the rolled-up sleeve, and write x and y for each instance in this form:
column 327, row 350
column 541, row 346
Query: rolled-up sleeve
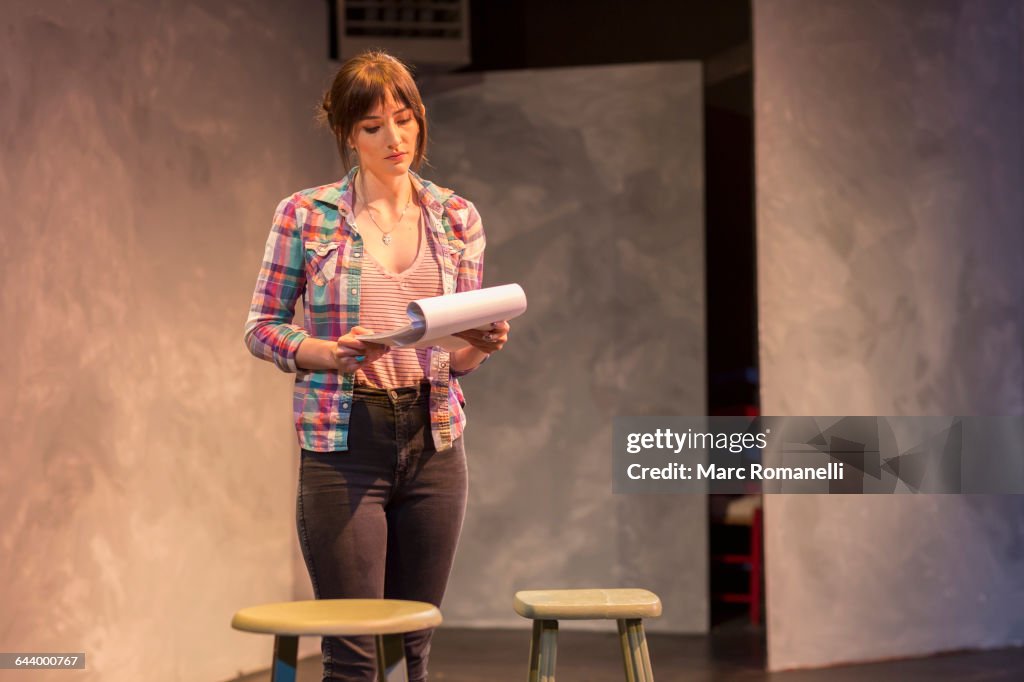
column 269, row 332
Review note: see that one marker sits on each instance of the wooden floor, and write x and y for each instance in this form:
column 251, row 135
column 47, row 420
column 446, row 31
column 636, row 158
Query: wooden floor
column 735, row 653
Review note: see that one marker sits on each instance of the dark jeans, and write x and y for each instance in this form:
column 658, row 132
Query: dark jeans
column 381, row 519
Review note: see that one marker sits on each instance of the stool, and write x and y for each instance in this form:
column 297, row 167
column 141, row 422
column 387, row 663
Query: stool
column 627, row 606
column 387, row 619
column 742, row 511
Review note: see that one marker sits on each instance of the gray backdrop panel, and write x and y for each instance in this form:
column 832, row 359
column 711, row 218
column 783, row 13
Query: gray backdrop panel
column 891, row 262
column 589, row 181
column 148, row 460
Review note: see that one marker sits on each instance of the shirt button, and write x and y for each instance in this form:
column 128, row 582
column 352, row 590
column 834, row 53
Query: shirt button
column 357, row 254
column 353, row 291
column 344, row 406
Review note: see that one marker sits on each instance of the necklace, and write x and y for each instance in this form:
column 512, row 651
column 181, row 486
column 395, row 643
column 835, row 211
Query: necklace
column 385, row 236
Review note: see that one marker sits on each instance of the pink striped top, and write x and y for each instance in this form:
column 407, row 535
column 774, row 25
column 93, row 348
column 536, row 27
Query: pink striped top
column 383, row 299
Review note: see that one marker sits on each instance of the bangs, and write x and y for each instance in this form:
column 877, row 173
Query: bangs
column 361, row 85
column 374, row 87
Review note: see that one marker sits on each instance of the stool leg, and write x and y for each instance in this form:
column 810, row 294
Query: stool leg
column 391, row 658
column 628, row 659
column 286, row 652
column 640, row 637
column 635, row 657
column 543, row 650
column 535, row 652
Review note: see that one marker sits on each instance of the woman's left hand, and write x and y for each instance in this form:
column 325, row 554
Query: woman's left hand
column 487, row 340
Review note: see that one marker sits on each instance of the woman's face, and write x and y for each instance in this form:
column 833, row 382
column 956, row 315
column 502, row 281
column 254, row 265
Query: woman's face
column 385, row 139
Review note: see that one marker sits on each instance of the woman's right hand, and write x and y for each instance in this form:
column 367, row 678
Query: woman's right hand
column 350, row 349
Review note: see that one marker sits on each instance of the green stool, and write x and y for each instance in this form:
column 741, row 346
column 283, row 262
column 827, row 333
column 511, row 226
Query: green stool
column 387, row 619
column 628, row 607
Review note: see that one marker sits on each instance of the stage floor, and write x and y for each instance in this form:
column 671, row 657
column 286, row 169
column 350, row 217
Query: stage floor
column 730, row 653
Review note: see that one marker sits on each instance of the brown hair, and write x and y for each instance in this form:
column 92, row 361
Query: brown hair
column 363, row 82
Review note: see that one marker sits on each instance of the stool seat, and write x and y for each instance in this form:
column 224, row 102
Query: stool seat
column 386, row 619
column 338, row 617
column 614, row 604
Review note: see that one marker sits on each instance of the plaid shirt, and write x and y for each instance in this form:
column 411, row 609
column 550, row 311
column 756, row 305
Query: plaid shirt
column 315, row 251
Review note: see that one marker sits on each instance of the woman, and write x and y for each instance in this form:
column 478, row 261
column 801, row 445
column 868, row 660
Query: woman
column 382, row 481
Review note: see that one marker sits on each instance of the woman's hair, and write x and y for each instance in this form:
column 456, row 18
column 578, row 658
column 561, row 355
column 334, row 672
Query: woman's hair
column 363, row 82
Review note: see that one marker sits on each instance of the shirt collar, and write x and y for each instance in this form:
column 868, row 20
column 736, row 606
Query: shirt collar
column 341, row 194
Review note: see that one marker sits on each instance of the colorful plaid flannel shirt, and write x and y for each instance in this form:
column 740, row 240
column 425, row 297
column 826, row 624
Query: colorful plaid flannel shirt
column 315, row 251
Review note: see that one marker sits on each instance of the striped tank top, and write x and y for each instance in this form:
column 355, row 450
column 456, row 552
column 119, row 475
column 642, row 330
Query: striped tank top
column 383, row 299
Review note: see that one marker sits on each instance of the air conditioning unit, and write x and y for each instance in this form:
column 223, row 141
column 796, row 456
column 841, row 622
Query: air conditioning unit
column 431, row 34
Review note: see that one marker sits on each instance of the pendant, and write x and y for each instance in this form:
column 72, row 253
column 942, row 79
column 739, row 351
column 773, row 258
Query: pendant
column 386, row 239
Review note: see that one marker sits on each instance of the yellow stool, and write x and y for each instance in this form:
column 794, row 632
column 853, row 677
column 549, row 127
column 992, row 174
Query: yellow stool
column 627, row 606
column 387, row 619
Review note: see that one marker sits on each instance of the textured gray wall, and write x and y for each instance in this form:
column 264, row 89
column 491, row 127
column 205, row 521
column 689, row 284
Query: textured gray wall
column 589, row 181
column 891, row 265
column 147, row 458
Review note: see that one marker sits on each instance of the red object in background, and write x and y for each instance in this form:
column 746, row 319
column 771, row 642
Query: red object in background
column 754, row 559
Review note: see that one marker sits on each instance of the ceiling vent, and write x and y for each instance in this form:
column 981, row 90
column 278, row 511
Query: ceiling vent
column 429, row 34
